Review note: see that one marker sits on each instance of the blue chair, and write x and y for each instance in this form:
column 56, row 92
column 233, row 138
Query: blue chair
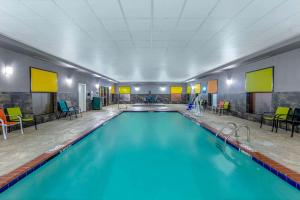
column 64, row 110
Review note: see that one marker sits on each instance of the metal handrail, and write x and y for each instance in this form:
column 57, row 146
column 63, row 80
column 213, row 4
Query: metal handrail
column 248, row 131
column 228, row 126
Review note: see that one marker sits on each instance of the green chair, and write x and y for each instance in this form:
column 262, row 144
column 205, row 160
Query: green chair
column 281, row 115
column 225, row 107
column 15, row 112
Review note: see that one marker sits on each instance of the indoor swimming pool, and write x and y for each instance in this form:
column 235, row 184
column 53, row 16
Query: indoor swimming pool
column 151, row 155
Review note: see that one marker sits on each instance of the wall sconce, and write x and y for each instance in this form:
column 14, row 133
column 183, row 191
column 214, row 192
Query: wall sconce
column 97, row 86
column 162, row 89
column 7, row 71
column 137, row 89
column 109, row 87
column 69, row 81
column 229, row 81
column 204, row 89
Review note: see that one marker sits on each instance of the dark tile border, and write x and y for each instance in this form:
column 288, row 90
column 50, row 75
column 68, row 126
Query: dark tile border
column 8, row 180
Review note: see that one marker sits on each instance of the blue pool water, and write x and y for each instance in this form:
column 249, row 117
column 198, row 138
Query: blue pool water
column 153, row 156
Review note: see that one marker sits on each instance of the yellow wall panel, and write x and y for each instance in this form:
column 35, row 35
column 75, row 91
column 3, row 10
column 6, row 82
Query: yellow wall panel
column 198, row 88
column 124, row 90
column 188, row 89
column 112, row 89
column 176, row 90
column 212, row 86
column 43, row 81
column 260, row 80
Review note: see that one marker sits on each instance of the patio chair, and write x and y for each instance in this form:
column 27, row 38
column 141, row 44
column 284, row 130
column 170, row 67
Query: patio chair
column 4, row 123
column 280, row 115
column 225, row 107
column 295, row 121
column 74, row 108
column 64, row 110
column 15, row 113
column 219, row 106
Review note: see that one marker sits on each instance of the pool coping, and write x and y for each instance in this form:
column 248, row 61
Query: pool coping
column 11, row 178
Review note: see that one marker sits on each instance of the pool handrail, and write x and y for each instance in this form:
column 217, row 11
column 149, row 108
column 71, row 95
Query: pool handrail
column 248, row 132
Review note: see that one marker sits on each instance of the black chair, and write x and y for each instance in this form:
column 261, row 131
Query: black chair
column 295, row 120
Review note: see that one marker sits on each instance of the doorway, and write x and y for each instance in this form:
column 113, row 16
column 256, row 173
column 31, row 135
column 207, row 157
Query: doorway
column 259, row 102
column 212, row 99
column 82, row 97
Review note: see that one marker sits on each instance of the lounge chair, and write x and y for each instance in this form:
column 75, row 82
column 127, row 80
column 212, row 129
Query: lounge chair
column 295, row 121
column 15, row 113
column 280, row 115
column 63, row 109
column 4, row 123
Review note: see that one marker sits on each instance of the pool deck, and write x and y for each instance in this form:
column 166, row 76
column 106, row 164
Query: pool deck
column 20, row 149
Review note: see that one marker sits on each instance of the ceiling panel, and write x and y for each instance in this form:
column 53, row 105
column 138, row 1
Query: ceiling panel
column 189, row 24
column 167, row 8
column 123, row 40
column 136, row 8
column 106, row 9
column 198, row 9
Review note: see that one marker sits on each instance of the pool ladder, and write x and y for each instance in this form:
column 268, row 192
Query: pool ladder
column 234, row 131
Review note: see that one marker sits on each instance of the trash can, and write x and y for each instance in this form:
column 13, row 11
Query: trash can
column 96, row 103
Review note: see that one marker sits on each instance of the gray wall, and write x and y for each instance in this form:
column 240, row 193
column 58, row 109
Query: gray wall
column 154, row 87
column 286, row 81
column 20, row 80
column 15, row 89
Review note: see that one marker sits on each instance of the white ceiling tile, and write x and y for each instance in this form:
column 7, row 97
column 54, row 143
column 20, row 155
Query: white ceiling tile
column 136, row 8
column 139, row 24
column 189, row 24
column 46, row 9
column 117, row 24
column 162, row 35
column 159, row 44
column 229, row 8
column 198, row 9
column 120, row 35
column 167, row 8
column 106, row 9
column 142, row 44
column 141, row 35
column 125, row 44
column 181, row 35
column 163, row 24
